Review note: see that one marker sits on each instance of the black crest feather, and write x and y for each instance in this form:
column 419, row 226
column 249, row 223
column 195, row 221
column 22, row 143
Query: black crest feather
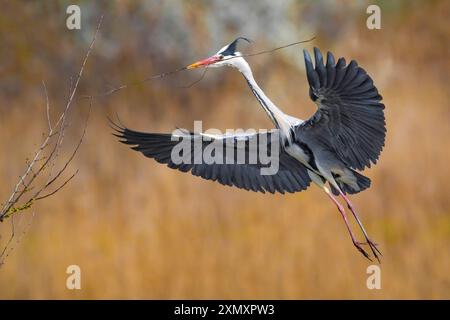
column 231, row 49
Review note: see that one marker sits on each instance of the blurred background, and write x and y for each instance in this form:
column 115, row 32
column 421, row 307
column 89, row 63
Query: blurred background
column 140, row 230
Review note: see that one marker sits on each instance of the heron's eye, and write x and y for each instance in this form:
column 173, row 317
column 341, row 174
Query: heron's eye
column 220, row 57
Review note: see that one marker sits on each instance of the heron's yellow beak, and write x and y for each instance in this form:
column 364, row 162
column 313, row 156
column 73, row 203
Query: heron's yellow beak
column 203, row 63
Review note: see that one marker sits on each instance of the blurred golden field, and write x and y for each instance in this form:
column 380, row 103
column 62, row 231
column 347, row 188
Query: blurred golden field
column 140, row 230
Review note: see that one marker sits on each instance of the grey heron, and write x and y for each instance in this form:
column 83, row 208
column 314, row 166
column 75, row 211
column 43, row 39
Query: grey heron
column 345, row 135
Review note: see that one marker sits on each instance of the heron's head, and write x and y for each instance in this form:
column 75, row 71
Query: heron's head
column 227, row 56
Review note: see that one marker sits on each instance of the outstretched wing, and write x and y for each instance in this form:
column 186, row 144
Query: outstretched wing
column 235, row 159
column 350, row 117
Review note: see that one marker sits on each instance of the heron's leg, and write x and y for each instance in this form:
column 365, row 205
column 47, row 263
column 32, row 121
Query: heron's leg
column 344, row 216
column 371, row 244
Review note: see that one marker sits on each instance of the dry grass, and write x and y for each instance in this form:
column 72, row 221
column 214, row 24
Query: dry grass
column 139, row 230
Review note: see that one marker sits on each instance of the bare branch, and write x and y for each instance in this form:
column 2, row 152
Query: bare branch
column 45, row 158
column 13, row 232
column 59, row 188
column 9, row 247
column 47, row 104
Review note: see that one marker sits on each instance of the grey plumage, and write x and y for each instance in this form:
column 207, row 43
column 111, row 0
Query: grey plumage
column 350, row 118
column 345, row 134
column 291, row 176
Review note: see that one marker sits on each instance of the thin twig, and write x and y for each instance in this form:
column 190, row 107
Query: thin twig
column 165, row 74
column 47, row 104
column 57, row 189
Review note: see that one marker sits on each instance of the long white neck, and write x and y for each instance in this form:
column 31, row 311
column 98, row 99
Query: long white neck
column 280, row 119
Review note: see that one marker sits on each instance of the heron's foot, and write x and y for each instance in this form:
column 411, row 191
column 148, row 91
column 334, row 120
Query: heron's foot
column 373, row 247
column 360, row 249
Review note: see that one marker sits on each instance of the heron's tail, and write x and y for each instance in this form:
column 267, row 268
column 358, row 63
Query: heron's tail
column 357, row 184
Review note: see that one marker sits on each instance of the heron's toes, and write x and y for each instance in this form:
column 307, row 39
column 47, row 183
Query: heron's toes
column 374, row 246
column 360, row 249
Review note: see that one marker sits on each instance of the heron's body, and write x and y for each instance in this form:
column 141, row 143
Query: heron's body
column 321, row 162
column 345, row 134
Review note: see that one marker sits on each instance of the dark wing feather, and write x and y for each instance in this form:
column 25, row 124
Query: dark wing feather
column 290, row 177
column 350, row 118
